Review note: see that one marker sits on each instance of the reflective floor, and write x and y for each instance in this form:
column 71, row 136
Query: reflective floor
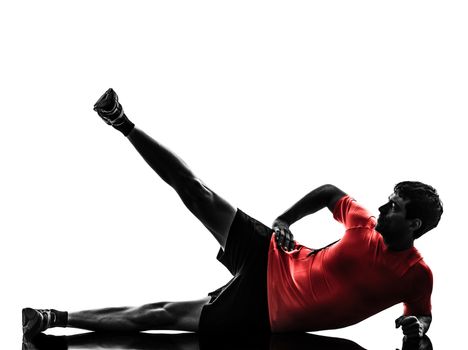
column 192, row 341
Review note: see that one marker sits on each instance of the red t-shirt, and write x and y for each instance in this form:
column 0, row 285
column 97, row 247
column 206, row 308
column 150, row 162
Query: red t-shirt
column 347, row 282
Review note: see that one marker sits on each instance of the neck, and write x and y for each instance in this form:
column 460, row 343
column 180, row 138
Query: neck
column 400, row 246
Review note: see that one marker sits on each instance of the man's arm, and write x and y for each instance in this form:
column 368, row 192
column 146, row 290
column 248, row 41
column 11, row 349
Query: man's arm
column 321, row 197
column 414, row 326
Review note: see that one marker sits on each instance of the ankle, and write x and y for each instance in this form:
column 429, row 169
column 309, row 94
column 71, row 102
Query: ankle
column 61, row 318
column 124, row 125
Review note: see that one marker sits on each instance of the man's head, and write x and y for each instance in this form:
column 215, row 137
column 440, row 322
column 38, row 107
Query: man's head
column 413, row 209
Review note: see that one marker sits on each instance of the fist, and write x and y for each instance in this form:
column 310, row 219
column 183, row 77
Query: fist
column 412, row 328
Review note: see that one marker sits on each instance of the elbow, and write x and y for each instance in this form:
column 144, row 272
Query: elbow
column 328, row 187
column 332, row 195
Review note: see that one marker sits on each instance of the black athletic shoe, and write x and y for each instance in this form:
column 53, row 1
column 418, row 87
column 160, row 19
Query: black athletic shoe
column 109, row 108
column 37, row 320
column 111, row 111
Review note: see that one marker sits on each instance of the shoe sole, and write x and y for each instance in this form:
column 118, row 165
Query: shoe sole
column 104, row 99
column 31, row 322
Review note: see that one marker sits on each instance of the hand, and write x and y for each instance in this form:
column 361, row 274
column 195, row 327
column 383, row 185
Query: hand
column 423, row 343
column 411, row 326
column 284, row 237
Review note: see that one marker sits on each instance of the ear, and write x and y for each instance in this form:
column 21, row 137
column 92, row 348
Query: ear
column 416, row 224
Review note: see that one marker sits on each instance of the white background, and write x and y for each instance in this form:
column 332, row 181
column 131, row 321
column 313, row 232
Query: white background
column 264, row 100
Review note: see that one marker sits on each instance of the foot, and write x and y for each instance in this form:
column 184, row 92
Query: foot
column 111, row 111
column 37, row 320
column 109, row 108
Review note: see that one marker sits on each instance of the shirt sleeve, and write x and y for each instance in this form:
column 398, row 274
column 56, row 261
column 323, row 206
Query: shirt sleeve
column 352, row 215
column 420, row 282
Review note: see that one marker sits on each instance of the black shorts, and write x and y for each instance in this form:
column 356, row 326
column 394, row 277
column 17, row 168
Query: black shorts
column 241, row 305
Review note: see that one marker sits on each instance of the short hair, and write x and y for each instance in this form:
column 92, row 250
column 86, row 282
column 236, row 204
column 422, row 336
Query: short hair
column 424, row 204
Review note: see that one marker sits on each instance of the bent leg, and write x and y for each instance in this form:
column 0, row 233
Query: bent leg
column 212, row 210
column 183, row 316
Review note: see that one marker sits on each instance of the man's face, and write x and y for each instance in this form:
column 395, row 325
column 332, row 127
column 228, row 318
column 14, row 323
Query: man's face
column 392, row 223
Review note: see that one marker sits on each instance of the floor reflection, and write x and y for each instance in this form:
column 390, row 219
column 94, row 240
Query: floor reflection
column 192, row 341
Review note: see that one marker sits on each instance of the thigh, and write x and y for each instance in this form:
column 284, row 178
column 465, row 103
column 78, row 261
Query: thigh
column 242, row 304
column 247, row 244
column 215, row 213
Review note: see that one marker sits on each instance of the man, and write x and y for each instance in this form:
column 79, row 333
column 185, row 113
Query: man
column 279, row 285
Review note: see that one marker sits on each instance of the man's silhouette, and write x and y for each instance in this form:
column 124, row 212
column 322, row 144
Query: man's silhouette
column 279, row 285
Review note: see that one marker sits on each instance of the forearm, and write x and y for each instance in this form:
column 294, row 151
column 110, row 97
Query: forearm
column 317, row 199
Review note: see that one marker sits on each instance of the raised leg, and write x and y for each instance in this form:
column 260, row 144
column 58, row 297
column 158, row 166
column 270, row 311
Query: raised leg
column 212, row 210
column 183, row 316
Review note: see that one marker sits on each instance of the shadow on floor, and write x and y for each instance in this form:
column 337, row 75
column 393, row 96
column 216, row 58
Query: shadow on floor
column 193, row 341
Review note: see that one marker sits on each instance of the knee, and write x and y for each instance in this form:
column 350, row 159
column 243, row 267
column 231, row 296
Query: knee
column 154, row 316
